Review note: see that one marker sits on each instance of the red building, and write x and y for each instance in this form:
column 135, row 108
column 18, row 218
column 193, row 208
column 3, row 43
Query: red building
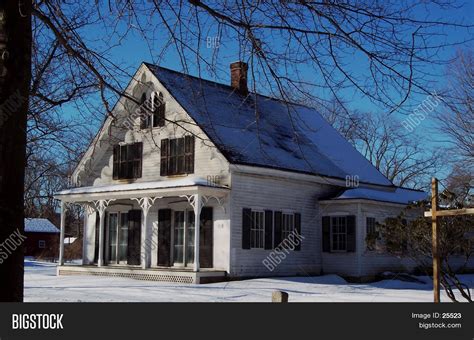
column 42, row 238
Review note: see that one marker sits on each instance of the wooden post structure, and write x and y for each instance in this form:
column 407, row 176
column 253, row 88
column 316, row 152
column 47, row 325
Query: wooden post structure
column 279, row 296
column 435, row 213
column 435, row 239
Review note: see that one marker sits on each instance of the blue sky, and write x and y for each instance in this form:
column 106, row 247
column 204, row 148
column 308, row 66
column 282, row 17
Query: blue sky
column 134, row 49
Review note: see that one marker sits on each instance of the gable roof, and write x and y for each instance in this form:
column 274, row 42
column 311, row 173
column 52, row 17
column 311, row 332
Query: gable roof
column 40, row 225
column 285, row 136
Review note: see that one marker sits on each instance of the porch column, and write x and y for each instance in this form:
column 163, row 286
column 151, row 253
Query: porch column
column 145, row 204
column 88, row 211
column 100, row 260
column 197, row 227
column 101, row 205
column 61, row 235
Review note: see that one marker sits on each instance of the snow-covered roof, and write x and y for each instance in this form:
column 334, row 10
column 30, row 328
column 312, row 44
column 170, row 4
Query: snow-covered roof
column 39, row 225
column 400, row 195
column 285, row 136
column 174, row 183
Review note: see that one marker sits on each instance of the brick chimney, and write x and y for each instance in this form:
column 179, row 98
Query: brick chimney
column 238, row 77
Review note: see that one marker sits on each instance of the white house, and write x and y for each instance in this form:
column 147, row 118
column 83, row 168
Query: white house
column 196, row 181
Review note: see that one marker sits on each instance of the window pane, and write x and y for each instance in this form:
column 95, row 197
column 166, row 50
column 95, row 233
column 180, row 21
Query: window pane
column 113, row 237
column 257, row 230
column 123, row 153
column 178, row 252
column 339, row 233
column 123, row 237
column 190, row 238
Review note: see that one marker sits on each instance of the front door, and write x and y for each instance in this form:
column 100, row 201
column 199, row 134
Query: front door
column 206, row 238
column 134, row 237
column 117, row 232
column 178, row 238
column 183, row 238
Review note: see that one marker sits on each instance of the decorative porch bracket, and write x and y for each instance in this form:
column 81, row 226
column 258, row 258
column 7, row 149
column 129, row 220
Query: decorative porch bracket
column 145, row 204
column 220, row 201
column 100, row 207
column 204, row 199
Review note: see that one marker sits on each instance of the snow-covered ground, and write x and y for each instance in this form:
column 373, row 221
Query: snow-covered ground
column 42, row 284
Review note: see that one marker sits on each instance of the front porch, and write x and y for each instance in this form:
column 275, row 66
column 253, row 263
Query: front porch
column 168, row 274
column 161, row 231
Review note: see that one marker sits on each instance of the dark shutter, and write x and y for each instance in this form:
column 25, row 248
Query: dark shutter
column 164, row 237
column 164, row 157
column 137, row 159
column 326, row 229
column 96, row 247
column 351, row 233
column 134, row 237
column 268, row 229
column 189, row 154
column 246, row 223
column 97, row 237
column 144, row 116
column 206, row 238
column 277, row 229
column 162, row 115
column 123, row 173
column 131, row 149
column 160, row 109
column 116, row 161
column 180, row 156
column 298, row 230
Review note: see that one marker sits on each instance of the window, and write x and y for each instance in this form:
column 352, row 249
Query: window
column 152, row 111
column 371, row 233
column 42, row 244
column 339, row 233
column 113, row 223
column 127, row 161
column 177, row 156
column 287, row 225
column 257, row 230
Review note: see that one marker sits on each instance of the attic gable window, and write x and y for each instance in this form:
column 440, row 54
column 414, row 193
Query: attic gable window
column 177, row 156
column 152, row 111
column 127, row 161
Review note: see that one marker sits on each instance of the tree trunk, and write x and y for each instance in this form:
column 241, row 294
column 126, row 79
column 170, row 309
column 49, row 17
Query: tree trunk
column 15, row 75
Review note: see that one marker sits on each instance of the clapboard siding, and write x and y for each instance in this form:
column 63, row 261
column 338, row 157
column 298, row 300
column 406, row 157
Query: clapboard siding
column 98, row 169
column 266, row 193
column 373, row 262
column 363, row 262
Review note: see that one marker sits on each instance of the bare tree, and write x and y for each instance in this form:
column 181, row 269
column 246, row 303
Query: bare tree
column 413, row 240
column 280, row 40
column 393, row 150
column 457, row 115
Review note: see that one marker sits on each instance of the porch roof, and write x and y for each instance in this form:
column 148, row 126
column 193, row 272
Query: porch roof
column 399, row 196
column 178, row 186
